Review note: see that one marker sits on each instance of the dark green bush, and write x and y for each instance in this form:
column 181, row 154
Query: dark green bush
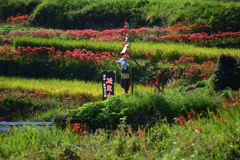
column 202, row 83
column 227, row 73
column 68, row 70
column 139, row 109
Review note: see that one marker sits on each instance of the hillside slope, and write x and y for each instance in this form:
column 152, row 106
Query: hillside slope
column 106, row 14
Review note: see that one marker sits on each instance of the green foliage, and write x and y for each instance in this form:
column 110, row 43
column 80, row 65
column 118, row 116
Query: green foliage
column 227, row 73
column 202, row 83
column 68, row 152
column 142, row 108
column 99, row 15
column 4, row 29
column 37, row 68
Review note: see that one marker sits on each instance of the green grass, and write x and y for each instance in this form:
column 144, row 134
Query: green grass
column 208, row 138
column 62, row 88
column 48, row 115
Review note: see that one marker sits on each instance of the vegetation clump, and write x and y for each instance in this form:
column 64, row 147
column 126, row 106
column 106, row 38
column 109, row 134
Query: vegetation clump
column 142, row 109
column 227, row 72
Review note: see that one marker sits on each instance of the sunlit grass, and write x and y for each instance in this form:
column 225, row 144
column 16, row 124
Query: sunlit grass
column 63, row 88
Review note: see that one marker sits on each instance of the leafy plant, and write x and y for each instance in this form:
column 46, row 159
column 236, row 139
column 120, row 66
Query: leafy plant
column 226, row 73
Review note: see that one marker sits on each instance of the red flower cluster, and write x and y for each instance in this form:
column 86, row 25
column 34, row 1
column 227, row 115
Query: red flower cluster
column 197, row 37
column 17, row 19
column 201, row 71
column 79, row 129
column 43, row 52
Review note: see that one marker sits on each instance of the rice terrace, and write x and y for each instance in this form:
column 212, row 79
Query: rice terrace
column 175, row 93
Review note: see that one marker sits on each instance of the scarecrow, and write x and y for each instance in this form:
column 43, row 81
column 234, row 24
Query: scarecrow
column 125, row 78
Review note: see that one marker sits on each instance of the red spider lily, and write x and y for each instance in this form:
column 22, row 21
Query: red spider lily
column 166, row 60
column 181, row 119
column 149, row 54
column 17, row 19
column 189, row 113
column 236, row 95
column 84, row 55
column 140, row 132
column 84, row 132
column 236, row 103
column 158, row 72
column 156, row 34
column 221, row 119
column 125, row 56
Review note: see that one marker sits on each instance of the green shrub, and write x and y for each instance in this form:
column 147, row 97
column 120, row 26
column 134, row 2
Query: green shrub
column 142, row 109
column 227, row 73
column 202, row 83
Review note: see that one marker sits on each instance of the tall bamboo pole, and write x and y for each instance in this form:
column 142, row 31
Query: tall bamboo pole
column 129, row 53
